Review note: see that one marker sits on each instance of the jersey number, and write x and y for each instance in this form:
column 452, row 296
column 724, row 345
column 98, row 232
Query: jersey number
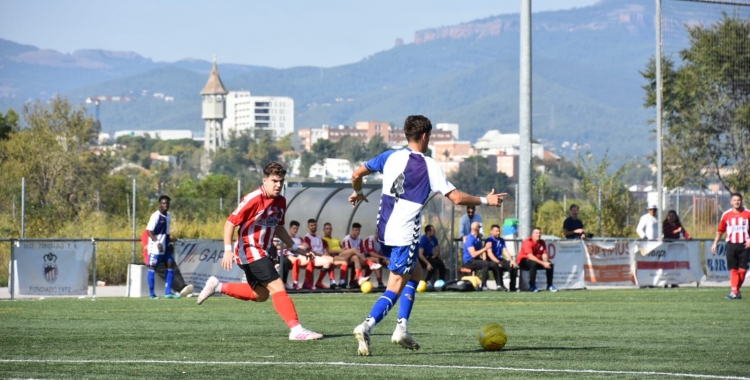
column 397, row 188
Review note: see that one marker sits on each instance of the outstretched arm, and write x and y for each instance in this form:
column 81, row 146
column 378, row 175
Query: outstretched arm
column 460, row 198
column 282, row 234
column 357, row 176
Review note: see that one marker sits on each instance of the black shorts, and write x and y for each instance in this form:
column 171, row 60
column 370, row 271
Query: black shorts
column 737, row 255
column 260, row 272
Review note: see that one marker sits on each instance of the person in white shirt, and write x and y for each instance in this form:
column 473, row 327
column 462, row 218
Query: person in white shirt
column 648, row 226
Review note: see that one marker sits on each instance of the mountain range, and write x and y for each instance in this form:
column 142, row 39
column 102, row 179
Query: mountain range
column 586, row 81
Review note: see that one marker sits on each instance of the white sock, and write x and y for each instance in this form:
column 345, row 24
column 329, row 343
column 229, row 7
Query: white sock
column 218, row 288
column 402, row 324
column 370, row 322
column 342, row 282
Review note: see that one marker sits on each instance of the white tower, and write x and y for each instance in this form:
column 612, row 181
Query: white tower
column 214, row 112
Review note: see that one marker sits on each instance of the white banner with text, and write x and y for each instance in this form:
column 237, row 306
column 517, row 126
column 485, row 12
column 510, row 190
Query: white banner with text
column 667, row 263
column 716, row 264
column 569, row 260
column 609, row 263
column 200, row 259
column 53, row 268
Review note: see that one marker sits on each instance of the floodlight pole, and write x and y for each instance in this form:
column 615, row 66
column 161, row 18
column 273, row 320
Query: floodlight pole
column 524, row 179
column 659, row 158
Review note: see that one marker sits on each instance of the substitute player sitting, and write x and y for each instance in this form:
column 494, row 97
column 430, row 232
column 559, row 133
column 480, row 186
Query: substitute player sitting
column 355, row 243
column 323, row 258
column 342, row 257
column 260, row 217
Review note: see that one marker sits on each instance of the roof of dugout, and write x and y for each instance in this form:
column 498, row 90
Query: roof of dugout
column 328, row 203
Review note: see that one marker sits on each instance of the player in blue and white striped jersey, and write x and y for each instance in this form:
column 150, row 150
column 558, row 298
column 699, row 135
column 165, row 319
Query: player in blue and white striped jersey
column 159, row 249
column 408, row 178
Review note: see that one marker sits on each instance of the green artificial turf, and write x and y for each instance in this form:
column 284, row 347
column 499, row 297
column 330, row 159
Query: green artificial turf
column 571, row 334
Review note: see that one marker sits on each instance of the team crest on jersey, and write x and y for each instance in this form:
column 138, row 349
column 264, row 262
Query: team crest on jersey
column 273, row 217
column 50, row 267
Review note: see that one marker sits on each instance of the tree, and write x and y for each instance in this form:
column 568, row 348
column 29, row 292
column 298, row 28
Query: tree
column 323, row 149
column 284, row 144
column 617, row 201
column 706, row 106
column 375, row 146
column 351, row 149
column 262, row 151
column 8, row 124
column 55, row 154
column 476, row 177
column 306, row 161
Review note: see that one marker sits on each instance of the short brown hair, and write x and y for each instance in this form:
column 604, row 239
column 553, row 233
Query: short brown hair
column 274, row 168
column 415, row 126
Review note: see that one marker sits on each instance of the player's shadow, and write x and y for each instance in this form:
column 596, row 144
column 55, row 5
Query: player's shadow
column 513, row 349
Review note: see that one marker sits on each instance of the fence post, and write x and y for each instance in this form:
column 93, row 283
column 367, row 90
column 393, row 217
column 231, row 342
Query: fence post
column 93, row 261
column 134, row 236
column 600, row 210
column 12, row 270
column 452, row 244
column 23, row 208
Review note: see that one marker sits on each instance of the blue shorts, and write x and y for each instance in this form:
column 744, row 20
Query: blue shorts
column 165, row 257
column 403, row 258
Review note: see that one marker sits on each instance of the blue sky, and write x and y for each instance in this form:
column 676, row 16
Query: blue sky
column 278, row 33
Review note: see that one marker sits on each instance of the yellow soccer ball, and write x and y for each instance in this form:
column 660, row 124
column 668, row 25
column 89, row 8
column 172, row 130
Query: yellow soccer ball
column 422, row 286
column 366, row 287
column 492, row 337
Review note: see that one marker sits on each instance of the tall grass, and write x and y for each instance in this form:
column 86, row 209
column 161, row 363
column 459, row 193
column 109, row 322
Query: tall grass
column 112, row 258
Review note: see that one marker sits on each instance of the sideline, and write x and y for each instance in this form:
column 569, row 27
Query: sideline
column 345, row 364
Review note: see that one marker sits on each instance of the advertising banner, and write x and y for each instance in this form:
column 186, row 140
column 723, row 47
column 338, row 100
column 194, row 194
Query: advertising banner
column 716, row 264
column 659, row 264
column 609, row 263
column 53, row 268
column 569, row 260
column 199, row 259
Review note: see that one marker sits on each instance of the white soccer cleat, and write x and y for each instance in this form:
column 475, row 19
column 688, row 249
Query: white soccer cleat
column 362, row 280
column 209, row 289
column 304, row 334
column 375, row 266
column 362, row 334
column 404, row 339
column 186, row 291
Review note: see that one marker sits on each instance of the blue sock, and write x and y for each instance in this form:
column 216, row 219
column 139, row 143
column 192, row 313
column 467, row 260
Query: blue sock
column 407, row 300
column 381, row 308
column 170, row 275
column 151, row 282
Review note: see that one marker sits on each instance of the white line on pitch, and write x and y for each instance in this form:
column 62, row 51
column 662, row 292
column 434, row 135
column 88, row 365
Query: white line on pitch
column 345, row 364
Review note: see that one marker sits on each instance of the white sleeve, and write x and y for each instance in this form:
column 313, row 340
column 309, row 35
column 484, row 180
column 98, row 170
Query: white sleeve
column 152, row 221
column 438, row 181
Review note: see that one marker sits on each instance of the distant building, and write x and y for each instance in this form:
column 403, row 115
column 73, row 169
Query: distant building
column 214, row 111
column 452, row 127
column 337, row 168
column 494, row 143
column 272, row 115
column 228, row 113
column 160, row 134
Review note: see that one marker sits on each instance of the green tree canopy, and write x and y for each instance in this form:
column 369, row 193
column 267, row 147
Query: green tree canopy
column 706, row 106
column 8, row 124
column 476, row 177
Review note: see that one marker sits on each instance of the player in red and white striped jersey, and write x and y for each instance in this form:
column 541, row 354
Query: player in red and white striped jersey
column 736, row 224
column 260, row 217
column 355, row 244
column 322, row 259
column 374, row 253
